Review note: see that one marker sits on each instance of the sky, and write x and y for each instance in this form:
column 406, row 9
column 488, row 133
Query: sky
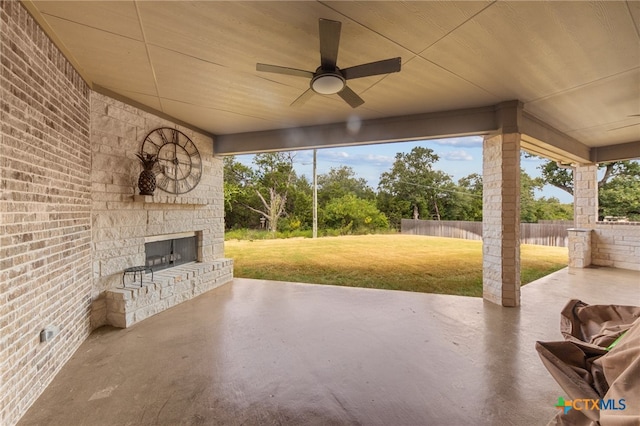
column 459, row 157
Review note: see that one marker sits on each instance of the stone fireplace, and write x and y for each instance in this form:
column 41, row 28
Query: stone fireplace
column 180, row 237
column 168, row 251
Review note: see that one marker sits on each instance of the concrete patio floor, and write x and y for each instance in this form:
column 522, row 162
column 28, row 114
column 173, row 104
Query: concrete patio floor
column 270, row 353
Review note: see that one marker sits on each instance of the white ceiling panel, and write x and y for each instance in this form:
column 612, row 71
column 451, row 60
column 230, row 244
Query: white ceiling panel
column 425, row 87
column 414, row 25
column 574, row 65
column 531, row 50
column 621, row 96
column 116, row 17
column 113, row 61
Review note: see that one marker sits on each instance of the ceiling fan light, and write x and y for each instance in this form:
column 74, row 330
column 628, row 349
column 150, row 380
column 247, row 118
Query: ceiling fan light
column 327, row 84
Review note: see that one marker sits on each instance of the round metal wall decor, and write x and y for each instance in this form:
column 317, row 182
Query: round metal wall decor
column 179, row 166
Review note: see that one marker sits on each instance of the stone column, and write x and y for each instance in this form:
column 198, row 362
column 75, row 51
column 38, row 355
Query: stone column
column 501, row 219
column 585, row 196
column 585, row 214
column 579, row 247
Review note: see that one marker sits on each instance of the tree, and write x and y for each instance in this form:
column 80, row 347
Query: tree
column 447, row 202
column 552, row 209
column 557, row 176
column 263, row 190
column 237, row 193
column 394, row 209
column 339, row 182
column 299, row 206
column 621, row 197
column 470, row 206
column 350, row 213
column 532, row 209
column 271, row 183
column 618, row 186
column 412, row 188
column 562, row 177
column 528, row 202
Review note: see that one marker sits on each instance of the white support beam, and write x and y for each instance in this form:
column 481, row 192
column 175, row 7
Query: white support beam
column 623, row 151
column 541, row 139
column 507, row 117
column 466, row 122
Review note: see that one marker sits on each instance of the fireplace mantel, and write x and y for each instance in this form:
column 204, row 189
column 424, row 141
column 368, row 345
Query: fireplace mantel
column 172, row 199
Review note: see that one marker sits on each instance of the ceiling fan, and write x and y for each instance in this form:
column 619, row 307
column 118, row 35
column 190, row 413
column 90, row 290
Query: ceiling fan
column 628, row 125
column 328, row 79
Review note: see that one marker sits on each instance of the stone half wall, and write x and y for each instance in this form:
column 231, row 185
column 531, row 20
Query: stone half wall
column 607, row 244
column 122, row 219
column 616, row 245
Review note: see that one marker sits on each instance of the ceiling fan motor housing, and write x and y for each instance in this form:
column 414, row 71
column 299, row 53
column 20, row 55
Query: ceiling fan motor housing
column 328, row 79
column 327, row 82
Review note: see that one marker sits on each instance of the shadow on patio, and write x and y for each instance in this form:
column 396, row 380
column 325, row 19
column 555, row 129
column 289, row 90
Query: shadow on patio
column 263, row 352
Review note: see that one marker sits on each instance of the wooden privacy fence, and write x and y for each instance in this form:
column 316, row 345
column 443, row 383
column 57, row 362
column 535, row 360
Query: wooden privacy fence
column 547, row 233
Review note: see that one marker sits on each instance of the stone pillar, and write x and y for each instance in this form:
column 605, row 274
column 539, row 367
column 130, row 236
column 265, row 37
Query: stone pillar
column 585, row 214
column 579, row 247
column 501, row 219
column 585, row 196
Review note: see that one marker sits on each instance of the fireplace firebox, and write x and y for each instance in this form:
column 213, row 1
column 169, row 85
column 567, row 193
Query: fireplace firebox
column 167, row 253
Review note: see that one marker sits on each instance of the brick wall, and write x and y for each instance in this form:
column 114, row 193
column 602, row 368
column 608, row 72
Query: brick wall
column 45, row 210
column 120, row 221
column 69, row 220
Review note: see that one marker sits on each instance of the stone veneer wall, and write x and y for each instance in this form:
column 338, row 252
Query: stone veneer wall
column 616, row 245
column 121, row 220
column 599, row 243
column 607, row 244
column 579, row 247
column 45, row 210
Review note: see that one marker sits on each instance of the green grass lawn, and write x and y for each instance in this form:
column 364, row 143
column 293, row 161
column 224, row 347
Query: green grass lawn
column 394, row 262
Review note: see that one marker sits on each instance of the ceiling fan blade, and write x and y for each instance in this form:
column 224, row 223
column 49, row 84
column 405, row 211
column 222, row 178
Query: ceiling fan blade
column 302, row 99
column 624, row 127
column 329, row 42
column 373, row 68
column 283, row 70
column 350, row 97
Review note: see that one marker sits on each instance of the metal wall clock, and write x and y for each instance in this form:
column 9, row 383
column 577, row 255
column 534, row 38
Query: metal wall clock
column 179, row 166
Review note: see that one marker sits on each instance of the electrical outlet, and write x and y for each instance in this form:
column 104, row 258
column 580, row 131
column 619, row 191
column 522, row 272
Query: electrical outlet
column 48, row 333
